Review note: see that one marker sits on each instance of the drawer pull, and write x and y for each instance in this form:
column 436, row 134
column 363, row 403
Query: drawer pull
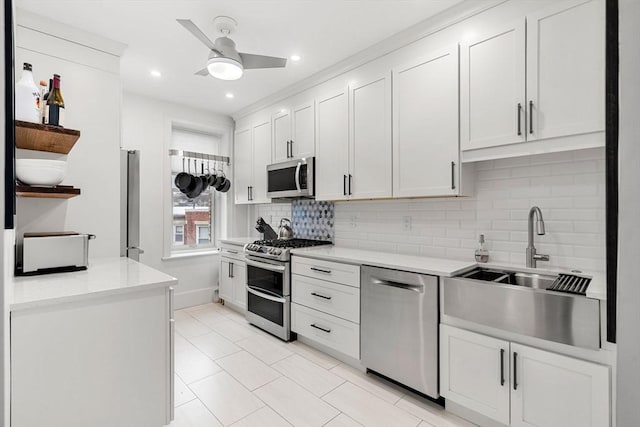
column 320, row 295
column 313, row 325
column 319, row 270
column 232, row 252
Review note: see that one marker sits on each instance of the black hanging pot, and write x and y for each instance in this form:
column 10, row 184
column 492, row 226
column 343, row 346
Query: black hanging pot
column 183, row 179
column 225, row 187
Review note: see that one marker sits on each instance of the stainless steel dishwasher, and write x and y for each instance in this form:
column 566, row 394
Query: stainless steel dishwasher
column 399, row 327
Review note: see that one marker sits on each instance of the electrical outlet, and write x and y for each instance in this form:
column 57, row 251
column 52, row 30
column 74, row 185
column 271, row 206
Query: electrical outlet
column 353, row 221
column 270, row 219
column 406, row 221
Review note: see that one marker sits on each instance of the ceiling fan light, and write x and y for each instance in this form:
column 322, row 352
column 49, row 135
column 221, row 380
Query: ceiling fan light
column 224, row 68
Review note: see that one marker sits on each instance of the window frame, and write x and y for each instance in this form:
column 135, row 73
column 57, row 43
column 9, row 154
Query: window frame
column 219, row 217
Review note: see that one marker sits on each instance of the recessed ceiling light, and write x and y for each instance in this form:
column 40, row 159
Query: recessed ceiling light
column 155, row 73
column 229, row 95
column 295, row 58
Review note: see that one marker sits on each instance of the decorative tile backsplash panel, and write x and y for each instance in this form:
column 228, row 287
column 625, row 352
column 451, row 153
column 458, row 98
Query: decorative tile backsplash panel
column 313, row 219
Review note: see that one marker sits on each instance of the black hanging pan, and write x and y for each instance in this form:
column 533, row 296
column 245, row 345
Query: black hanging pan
column 183, row 179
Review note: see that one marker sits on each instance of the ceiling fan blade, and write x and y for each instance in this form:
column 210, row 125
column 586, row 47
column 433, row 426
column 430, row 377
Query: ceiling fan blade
column 260, row 61
column 197, row 32
column 203, row 72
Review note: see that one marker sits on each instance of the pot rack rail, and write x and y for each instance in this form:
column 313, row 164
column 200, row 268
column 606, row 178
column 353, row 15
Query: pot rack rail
column 199, row 156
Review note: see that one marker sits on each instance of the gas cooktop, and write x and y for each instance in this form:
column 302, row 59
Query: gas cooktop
column 279, row 249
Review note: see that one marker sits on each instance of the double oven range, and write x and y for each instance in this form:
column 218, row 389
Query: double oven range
column 269, row 283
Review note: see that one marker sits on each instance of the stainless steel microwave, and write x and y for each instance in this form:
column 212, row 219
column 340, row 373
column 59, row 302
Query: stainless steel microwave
column 291, row 179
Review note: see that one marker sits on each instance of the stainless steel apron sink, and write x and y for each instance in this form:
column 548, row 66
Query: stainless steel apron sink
column 520, row 302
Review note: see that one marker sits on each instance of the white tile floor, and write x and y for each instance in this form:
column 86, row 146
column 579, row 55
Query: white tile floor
column 229, row 373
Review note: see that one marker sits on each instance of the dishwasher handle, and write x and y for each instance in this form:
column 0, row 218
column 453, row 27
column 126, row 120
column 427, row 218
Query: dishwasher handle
column 404, row 286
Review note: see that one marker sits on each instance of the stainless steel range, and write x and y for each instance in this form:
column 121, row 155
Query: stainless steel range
column 269, row 283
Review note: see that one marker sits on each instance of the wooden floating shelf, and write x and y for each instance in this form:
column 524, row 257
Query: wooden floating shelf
column 53, row 139
column 59, row 192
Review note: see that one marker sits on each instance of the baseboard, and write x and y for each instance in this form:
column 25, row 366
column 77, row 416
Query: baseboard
column 193, row 297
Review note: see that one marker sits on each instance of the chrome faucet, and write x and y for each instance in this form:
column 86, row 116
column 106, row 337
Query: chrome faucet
column 532, row 256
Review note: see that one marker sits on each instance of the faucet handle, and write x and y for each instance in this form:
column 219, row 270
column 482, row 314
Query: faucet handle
column 541, row 257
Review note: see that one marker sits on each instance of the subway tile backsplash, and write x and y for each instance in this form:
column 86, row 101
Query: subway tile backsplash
column 569, row 188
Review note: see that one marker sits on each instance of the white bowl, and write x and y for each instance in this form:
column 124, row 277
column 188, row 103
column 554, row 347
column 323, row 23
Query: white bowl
column 41, row 171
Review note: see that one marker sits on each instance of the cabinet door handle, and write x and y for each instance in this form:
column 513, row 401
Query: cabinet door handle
column 344, row 185
column 248, row 195
column 320, row 270
column 230, row 270
column 327, row 330
column 350, row 179
column 288, row 149
column 502, row 366
column 291, row 148
column 320, row 295
column 531, row 117
column 453, row 175
column 519, row 119
column 515, row 370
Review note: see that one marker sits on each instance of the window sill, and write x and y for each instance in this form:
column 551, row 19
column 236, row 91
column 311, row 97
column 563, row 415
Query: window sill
column 191, row 254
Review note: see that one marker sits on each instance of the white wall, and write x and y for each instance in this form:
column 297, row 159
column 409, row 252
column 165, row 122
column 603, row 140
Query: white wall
column 146, row 126
column 628, row 389
column 92, row 91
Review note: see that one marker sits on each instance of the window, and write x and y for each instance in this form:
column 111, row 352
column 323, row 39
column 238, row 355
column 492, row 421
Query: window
column 192, row 220
column 178, row 234
column 202, row 234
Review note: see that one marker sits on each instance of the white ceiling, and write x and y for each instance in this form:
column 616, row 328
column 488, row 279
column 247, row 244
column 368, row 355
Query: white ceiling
column 322, row 32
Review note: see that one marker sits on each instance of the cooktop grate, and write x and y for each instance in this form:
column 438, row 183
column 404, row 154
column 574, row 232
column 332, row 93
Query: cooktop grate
column 570, row 284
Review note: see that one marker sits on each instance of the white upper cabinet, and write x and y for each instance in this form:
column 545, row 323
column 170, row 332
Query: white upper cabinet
column 243, row 165
column 545, row 82
column 492, row 88
column 294, row 133
column 566, row 69
column 370, row 137
column 252, row 148
column 332, row 151
column 550, row 390
column 425, row 126
column 261, row 158
column 303, row 131
column 281, row 136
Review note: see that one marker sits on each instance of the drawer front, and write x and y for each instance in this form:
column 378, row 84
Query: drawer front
column 331, row 298
column 338, row 334
column 232, row 251
column 337, row 272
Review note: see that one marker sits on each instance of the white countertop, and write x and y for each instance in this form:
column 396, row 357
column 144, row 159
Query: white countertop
column 412, row 263
column 103, row 277
column 433, row 266
column 238, row 241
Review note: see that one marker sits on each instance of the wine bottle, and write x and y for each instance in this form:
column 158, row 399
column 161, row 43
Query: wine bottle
column 55, row 102
column 45, row 107
column 43, row 92
column 27, row 97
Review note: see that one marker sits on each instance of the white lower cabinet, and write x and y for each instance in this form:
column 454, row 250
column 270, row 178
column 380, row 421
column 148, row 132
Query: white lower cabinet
column 325, row 303
column 519, row 385
column 553, row 390
column 331, row 331
column 102, row 361
column 233, row 276
column 475, row 372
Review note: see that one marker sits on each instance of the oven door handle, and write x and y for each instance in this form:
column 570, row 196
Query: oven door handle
column 265, row 266
column 265, row 296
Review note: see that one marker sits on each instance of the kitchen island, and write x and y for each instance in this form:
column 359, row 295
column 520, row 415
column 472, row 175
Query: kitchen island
column 93, row 347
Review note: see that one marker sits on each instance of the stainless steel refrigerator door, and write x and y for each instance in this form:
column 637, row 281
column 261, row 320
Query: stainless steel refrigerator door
column 399, row 327
column 130, row 204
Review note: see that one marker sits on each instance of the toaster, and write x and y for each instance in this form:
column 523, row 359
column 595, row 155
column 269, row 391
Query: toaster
column 55, row 252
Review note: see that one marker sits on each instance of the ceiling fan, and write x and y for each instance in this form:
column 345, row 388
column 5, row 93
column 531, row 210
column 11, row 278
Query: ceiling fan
column 225, row 62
